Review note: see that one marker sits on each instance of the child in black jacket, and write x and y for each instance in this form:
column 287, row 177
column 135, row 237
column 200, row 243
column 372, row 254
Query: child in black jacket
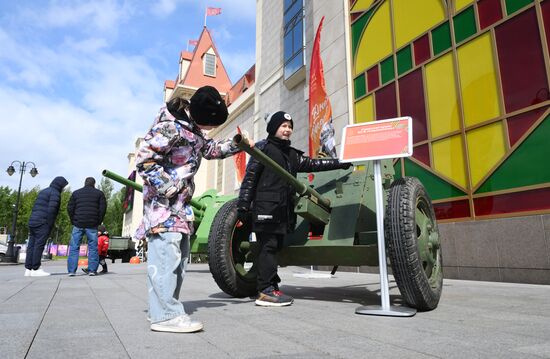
column 269, row 200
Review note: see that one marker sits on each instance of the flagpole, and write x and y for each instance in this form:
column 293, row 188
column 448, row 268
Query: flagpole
column 205, row 12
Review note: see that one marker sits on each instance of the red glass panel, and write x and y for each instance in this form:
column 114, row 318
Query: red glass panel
column 411, row 97
column 386, row 103
column 545, row 6
column 421, row 49
column 518, row 125
column 489, row 12
column 534, row 200
column 522, row 66
column 373, row 78
column 454, row 209
column 355, row 15
column 422, row 153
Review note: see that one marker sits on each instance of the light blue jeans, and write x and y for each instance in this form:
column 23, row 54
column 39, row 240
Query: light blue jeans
column 93, row 255
column 166, row 263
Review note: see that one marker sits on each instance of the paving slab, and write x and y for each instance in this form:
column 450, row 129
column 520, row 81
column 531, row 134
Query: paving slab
column 105, row 316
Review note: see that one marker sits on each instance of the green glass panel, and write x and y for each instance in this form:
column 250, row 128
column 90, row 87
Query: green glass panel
column 404, row 60
column 359, row 86
column 441, row 38
column 464, row 24
column 397, row 169
column 437, row 188
column 357, row 29
column 528, row 165
column 386, row 68
column 514, row 5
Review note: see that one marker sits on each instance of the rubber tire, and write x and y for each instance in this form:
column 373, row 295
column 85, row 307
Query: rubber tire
column 401, row 233
column 220, row 253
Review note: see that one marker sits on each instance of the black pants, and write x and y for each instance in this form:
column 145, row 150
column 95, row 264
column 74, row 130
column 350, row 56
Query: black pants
column 270, row 244
column 35, row 247
column 103, row 263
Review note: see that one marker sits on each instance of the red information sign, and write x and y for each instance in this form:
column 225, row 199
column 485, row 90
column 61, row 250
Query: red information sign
column 377, row 140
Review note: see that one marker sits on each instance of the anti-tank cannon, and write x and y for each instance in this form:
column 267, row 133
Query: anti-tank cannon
column 204, row 207
column 337, row 226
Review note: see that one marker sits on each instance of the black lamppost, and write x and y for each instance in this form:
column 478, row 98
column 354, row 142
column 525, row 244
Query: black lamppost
column 10, row 253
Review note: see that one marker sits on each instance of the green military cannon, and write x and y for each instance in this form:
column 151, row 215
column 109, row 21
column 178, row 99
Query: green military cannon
column 337, row 226
column 205, row 208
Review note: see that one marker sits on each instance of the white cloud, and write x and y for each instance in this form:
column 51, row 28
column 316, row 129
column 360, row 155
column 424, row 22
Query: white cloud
column 164, row 8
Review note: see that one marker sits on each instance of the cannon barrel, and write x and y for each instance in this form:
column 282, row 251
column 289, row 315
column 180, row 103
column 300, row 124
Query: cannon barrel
column 198, row 208
column 242, row 142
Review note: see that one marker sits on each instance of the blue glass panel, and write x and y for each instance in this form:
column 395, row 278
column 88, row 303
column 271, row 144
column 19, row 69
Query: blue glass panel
column 294, row 64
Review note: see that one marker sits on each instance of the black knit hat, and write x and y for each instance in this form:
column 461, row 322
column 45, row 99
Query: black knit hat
column 207, row 107
column 276, row 120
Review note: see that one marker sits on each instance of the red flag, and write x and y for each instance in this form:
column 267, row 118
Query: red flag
column 240, row 162
column 212, row 11
column 193, row 42
column 321, row 131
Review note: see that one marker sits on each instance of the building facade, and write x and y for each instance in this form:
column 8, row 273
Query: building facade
column 473, row 75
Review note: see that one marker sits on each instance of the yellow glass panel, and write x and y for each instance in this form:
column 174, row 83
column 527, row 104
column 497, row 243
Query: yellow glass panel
column 448, row 156
column 361, row 5
column 478, row 81
column 485, row 148
column 375, row 44
column 413, row 18
column 442, row 98
column 460, row 4
column 364, row 110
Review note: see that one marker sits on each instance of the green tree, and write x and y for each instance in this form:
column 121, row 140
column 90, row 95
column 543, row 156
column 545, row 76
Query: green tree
column 61, row 233
column 7, row 203
column 115, row 213
column 106, row 186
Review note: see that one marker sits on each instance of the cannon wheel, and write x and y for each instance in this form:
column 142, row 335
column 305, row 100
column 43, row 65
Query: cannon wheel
column 413, row 242
column 229, row 250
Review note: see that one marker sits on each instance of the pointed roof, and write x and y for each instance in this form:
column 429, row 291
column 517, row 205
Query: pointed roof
column 195, row 76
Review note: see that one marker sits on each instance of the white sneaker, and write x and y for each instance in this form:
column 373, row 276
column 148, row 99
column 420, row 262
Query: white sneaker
column 39, row 273
column 27, row 272
column 181, row 324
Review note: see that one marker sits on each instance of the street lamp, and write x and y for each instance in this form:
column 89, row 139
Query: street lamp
column 10, row 253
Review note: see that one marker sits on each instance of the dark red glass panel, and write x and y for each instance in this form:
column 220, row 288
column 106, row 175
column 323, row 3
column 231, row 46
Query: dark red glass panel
column 518, row 125
column 545, row 6
column 522, row 66
column 453, row 209
column 373, row 78
column 422, row 153
column 411, row 98
column 535, row 200
column 489, row 12
column 421, row 49
column 386, row 103
column 355, row 15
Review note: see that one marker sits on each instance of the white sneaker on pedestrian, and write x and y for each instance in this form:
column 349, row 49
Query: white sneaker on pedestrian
column 27, row 272
column 181, row 324
column 39, row 273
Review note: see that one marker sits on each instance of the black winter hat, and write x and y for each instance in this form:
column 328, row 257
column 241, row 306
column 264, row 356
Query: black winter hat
column 207, row 107
column 276, row 120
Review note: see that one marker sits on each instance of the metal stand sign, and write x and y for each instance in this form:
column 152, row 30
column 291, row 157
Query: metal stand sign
column 374, row 141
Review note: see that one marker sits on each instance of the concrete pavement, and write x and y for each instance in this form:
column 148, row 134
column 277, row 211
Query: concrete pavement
column 105, row 317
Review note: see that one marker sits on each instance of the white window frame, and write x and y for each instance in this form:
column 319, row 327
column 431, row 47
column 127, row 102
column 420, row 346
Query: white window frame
column 207, row 54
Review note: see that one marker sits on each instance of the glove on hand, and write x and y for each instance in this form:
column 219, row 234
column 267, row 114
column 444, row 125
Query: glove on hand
column 346, row 165
column 243, row 215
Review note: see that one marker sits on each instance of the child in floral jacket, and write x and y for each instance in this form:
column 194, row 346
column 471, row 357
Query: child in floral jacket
column 167, row 160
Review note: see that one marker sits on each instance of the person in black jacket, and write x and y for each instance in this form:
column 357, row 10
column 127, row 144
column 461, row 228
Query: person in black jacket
column 86, row 209
column 41, row 222
column 267, row 199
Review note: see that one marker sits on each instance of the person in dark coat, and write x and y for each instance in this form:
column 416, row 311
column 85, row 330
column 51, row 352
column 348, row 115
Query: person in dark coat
column 268, row 199
column 86, row 209
column 42, row 219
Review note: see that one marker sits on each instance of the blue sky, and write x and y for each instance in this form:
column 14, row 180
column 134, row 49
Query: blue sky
column 81, row 80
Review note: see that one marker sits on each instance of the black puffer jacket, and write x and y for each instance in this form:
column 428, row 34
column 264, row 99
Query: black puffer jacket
column 270, row 198
column 87, row 207
column 46, row 205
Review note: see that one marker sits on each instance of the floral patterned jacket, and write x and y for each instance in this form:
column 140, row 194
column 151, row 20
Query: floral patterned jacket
column 167, row 160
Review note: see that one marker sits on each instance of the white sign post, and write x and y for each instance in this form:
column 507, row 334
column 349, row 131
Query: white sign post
column 374, row 141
